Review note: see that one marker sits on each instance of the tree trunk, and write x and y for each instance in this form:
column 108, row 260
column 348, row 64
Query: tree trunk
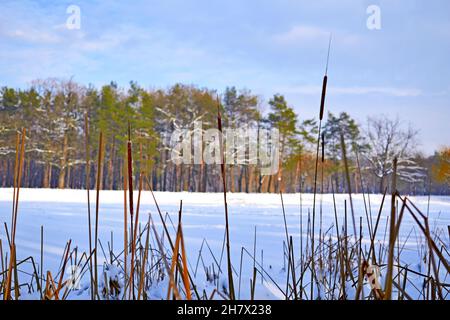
column 231, row 183
column 111, row 166
column 4, row 172
column 69, row 176
column 205, row 177
column 200, row 178
column 297, row 176
column 46, row 176
column 63, row 164
column 381, row 185
column 250, row 179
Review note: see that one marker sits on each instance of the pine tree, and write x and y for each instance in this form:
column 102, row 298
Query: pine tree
column 284, row 119
column 353, row 140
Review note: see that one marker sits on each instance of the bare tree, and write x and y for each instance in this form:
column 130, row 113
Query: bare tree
column 388, row 140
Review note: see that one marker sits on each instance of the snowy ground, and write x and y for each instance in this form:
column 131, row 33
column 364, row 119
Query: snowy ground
column 63, row 213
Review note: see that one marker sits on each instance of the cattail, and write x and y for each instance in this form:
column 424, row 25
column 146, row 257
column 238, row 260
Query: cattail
column 224, row 177
column 86, row 136
column 130, row 195
column 390, row 264
column 322, row 100
column 97, row 204
column 324, row 84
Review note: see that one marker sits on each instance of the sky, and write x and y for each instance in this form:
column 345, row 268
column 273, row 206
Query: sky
column 400, row 70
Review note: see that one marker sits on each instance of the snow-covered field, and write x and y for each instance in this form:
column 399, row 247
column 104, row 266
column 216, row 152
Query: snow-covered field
column 63, row 213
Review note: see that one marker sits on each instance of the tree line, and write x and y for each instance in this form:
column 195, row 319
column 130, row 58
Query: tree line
column 64, row 119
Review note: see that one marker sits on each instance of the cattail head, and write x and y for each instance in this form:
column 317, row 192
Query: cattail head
column 322, row 100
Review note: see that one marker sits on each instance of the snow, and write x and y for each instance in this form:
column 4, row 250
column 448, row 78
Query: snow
column 63, row 213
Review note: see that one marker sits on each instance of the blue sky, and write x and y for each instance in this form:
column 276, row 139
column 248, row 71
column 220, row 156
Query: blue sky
column 266, row 46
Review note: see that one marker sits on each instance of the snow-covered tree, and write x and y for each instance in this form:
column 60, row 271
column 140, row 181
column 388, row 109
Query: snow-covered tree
column 389, row 140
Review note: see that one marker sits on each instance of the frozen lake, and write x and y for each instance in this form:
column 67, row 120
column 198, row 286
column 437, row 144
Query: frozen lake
column 63, row 213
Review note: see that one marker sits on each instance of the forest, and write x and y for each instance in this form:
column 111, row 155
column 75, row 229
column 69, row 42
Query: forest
column 63, row 120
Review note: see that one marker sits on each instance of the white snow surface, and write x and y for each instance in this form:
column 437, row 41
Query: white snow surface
column 63, row 213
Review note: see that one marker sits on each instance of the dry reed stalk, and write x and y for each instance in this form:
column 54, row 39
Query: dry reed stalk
column 367, row 211
column 179, row 244
column 294, row 281
column 7, row 292
column 448, row 229
column 184, row 271
column 254, row 249
column 144, row 261
column 301, row 228
column 433, row 263
column 340, row 256
column 168, row 234
column 345, row 252
column 213, row 293
column 240, row 272
column 41, row 273
column 314, row 214
column 17, row 182
column 359, row 287
column 97, row 206
column 321, row 197
column 321, row 113
column 88, row 183
column 288, row 273
column 2, row 266
column 291, row 260
column 66, row 258
column 389, row 273
column 224, row 180
column 252, row 285
column 131, row 203
column 371, row 253
column 349, row 186
column 125, row 218
column 16, row 168
column 174, row 261
column 263, row 271
column 164, row 260
column 13, row 233
column 134, row 235
column 432, row 244
column 50, row 288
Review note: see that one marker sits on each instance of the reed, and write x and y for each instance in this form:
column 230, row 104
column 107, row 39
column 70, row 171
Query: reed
column 88, row 184
column 388, row 284
column 224, row 180
column 321, row 114
column 97, row 207
column 131, row 203
column 125, row 219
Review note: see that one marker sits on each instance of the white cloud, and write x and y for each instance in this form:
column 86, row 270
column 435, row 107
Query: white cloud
column 355, row 90
column 301, row 34
column 34, row 36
